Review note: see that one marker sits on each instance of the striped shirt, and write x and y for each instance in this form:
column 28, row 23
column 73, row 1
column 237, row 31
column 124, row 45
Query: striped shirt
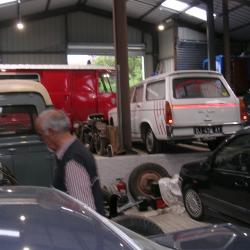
column 77, row 180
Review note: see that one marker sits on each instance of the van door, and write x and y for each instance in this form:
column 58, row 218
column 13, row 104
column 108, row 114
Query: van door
column 83, row 94
column 57, row 83
column 202, row 105
column 136, row 111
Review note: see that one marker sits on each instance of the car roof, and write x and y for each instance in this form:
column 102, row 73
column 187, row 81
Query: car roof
column 184, row 73
column 23, row 86
column 47, row 219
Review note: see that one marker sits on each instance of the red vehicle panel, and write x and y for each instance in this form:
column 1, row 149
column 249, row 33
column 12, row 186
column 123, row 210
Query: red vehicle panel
column 79, row 91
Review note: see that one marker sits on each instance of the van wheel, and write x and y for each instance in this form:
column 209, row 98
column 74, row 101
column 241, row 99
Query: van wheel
column 152, row 145
column 100, row 145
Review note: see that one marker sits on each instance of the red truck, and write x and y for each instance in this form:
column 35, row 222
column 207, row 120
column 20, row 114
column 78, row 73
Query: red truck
column 78, row 90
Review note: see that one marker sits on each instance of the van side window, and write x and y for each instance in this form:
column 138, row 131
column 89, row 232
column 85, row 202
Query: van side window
column 198, row 88
column 107, row 83
column 155, row 91
column 138, row 95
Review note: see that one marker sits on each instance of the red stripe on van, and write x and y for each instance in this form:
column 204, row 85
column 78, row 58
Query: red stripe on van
column 216, row 105
column 160, row 124
column 155, row 116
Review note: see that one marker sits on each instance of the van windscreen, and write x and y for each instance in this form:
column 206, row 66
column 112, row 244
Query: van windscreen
column 198, row 88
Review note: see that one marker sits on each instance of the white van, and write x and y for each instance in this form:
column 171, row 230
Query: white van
column 183, row 105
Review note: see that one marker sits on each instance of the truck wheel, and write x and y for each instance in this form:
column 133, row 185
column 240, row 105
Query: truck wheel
column 139, row 225
column 152, row 145
column 100, row 145
column 142, row 177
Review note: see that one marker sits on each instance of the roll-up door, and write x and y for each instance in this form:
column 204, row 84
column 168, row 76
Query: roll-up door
column 189, row 55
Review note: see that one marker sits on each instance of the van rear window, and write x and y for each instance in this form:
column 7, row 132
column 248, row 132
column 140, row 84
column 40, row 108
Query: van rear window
column 198, row 88
column 17, row 120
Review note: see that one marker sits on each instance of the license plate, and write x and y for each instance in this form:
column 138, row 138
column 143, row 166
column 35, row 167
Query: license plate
column 208, row 130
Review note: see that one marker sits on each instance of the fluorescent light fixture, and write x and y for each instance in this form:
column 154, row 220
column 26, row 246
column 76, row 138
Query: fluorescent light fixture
column 175, row 5
column 6, row 1
column 10, row 233
column 197, row 12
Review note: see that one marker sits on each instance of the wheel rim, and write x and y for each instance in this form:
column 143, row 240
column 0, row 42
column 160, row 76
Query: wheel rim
column 193, row 203
column 144, row 183
column 150, row 141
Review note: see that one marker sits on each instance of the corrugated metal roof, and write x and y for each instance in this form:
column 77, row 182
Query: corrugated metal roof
column 144, row 10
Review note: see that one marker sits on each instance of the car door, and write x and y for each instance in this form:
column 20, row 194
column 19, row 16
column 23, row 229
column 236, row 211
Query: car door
column 136, row 109
column 230, row 179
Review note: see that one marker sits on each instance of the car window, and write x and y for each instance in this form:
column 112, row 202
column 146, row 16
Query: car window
column 235, row 156
column 138, row 95
column 17, row 120
column 198, row 88
column 155, row 91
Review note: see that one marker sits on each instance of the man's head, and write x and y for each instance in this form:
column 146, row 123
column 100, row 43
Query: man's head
column 54, row 127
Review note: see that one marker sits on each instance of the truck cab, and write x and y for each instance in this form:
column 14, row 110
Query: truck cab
column 21, row 150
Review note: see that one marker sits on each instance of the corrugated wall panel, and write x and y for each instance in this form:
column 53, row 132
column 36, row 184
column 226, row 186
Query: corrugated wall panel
column 87, row 28
column 42, row 35
column 166, row 44
column 33, row 59
column 190, row 55
column 189, row 34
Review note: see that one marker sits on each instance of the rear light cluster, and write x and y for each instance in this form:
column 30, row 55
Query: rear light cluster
column 169, row 114
column 243, row 110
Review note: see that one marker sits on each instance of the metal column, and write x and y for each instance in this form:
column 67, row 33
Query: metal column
column 210, row 35
column 121, row 56
column 226, row 40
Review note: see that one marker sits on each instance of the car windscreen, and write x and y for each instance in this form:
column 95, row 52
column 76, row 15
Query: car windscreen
column 17, row 119
column 199, row 87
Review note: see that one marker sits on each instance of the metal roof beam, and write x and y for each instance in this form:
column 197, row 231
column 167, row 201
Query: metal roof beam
column 151, row 10
column 240, row 27
column 244, row 2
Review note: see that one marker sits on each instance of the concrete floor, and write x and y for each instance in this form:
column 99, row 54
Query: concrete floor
column 170, row 219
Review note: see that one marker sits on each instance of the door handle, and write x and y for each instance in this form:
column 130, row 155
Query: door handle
column 138, row 105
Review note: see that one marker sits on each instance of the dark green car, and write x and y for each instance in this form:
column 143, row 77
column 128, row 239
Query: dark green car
column 21, row 149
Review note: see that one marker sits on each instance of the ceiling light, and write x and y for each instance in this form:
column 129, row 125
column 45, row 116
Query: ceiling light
column 161, row 27
column 6, row 1
column 197, row 12
column 20, row 25
column 175, row 5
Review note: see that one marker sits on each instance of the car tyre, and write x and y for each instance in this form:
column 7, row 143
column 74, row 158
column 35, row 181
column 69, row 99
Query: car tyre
column 152, row 145
column 193, row 203
column 141, row 178
column 139, row 224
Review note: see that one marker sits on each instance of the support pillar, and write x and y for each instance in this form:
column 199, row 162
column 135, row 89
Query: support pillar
column 121, row 58
column 226, row 40
column 210, row 36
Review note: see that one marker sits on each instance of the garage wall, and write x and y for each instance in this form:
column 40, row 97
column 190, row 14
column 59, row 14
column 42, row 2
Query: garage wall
column 41, row 41
column 166, row 51
column 45, row 41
